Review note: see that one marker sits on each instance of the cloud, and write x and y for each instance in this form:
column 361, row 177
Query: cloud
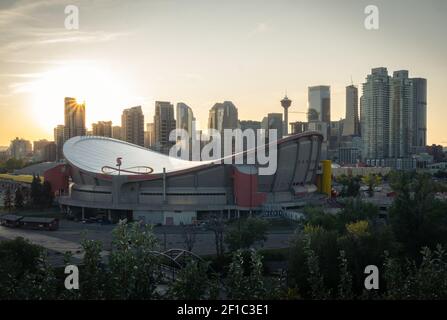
column 30, row 39
column 20, row 75
column 23, row 11
column 261, row 27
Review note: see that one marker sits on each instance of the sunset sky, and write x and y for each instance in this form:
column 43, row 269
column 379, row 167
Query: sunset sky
column 129, row 53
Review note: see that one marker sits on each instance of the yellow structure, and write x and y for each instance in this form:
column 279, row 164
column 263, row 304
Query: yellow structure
column 18, row 178
column 324, row 180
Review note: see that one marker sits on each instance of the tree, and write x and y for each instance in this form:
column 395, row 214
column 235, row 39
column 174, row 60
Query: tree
column 315, row 279
column 18, row 198
column 18, row 258
column 47, row 194
column 189, row 236
column 7, row 199
column 246, row 233
column 36, row 191
column 93, row 280
column 351, row 185
column 217, row 226
column 245, row 278
column 418, row 219
column 372, row 181
column 134, row 268
column 14, row 164
column 345, row 285
column 192, row 282
column 409, row 280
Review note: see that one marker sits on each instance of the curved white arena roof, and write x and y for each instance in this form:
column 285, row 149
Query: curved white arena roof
column 92, row 154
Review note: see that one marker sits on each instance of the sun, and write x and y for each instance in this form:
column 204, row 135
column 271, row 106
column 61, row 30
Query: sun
column 104, row 94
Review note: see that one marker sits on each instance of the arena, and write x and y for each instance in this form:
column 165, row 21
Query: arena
column 118, row 179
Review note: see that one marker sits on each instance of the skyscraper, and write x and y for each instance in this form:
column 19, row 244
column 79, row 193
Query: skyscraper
column 400, row 115
column 351, row 122
column 102, row 129
column 74, row 119
column 184, row 117
column 149, row 138
column 273, row 121
column 419, row 121
column 393, row 115
column 223, row 116
column 164, row 123
column 319, row 101
column 374, row 114
column 132, row 126
column 116, row 132
column 59, row 140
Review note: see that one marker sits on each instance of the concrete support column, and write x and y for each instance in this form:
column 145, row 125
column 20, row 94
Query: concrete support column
column 109, row 215
column 83, row 213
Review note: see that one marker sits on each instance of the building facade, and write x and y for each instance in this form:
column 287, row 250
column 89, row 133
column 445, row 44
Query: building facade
column 351, row 126
column 184, row 118
column 132, row 126
column 102, row 129
column 273, row 121
column 375, row 114
column 164, row 123
column 20, row 148
column 393, row 117
column 223, row 116
column 74, row 119
column 179, row 191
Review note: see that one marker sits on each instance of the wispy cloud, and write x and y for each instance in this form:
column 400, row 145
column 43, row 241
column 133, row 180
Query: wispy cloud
column 261, row 27
column 23, row 11
column 21, row 75
column 49, row 37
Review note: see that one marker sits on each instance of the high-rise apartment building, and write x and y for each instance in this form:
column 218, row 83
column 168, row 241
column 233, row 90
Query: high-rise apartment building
column 164, row 123
column 375, row 114
column 132, row 125
column 116, row 132
column 20, row 148
column 400, row 115
column 393, row 115
column 102, row 129
column 149, row 138
column 74, row 119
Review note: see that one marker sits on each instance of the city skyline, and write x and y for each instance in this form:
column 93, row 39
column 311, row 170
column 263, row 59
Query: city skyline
column 115, row 64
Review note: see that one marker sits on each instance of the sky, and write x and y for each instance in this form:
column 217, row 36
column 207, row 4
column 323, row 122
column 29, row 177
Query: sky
column 128, row 53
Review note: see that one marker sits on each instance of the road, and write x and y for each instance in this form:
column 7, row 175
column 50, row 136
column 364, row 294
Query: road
column 70, row 235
